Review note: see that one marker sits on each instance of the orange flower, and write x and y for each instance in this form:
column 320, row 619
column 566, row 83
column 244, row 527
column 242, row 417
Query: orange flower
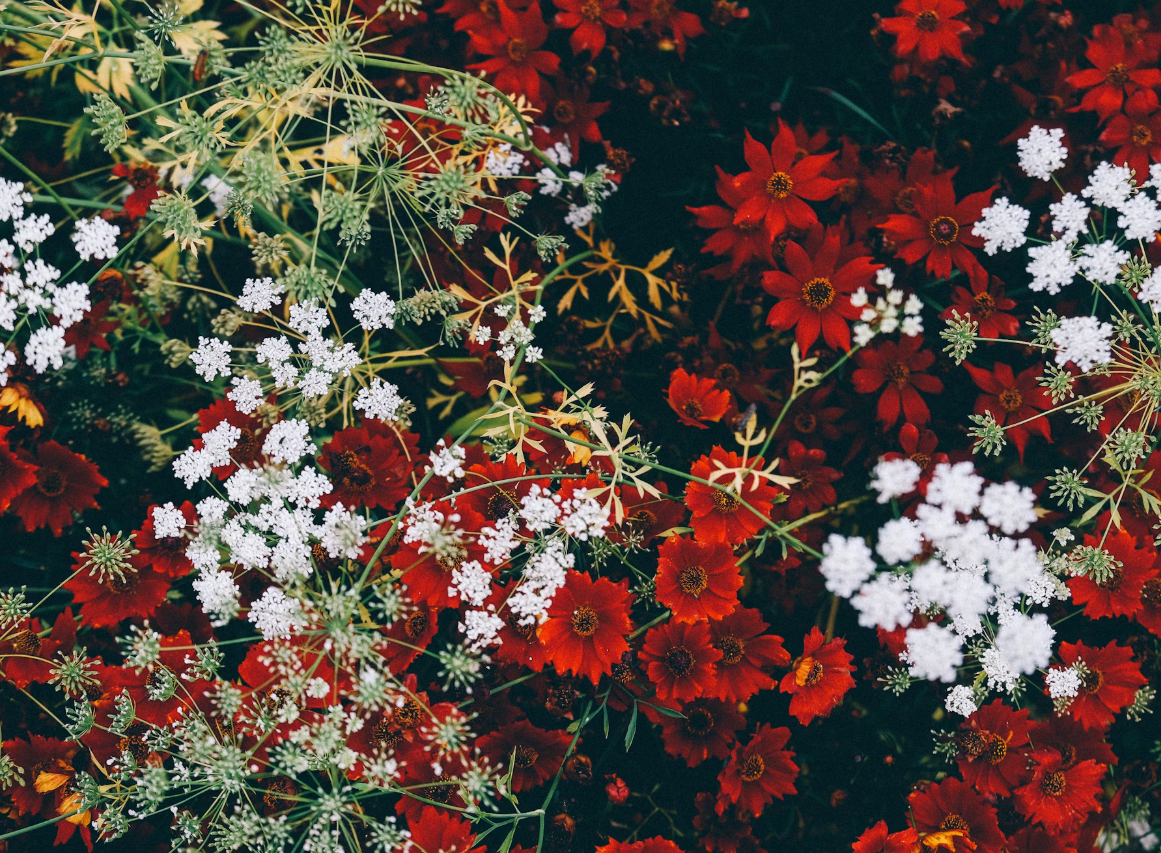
column 719, row 515
column 697, row 580
column 695, row 399
column 819, row 679
column 586, row 626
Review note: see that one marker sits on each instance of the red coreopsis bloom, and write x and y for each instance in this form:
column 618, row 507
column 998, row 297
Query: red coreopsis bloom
column 776, row 187
column 439, row 829
column 952, row 805
column 813, row 490
column 66, row 482
column 586, row 626
column 743, row 242
column 428, row 574
column 164, row 553
column 27, row 657
column 407, row 637
column 1073, row 741
column 758, row 772
column 1060, row 797
column 819, row 679
column 985, row 303
column 494, row 502
column 664, row 19
column 928, row 29
column 940, row 229
column 1120, row 593
column 538, row 753
column 706, row 729
column 1110, row 683
column 143, row 178
column 1118, row 73
column 877, row 839
column 646, row 516
column 573, row 116
column 369, row 465
column 697, row 580
column 517, row 62
column 815, row 297
column 680, row 660
column 45, row 765
column 994, row 748
column 919, row 446
column 1017, row 400
column 587, row 19
column 718, row 515
column 16, row 474
column 90, row 330
column 898, row 368
column 656, row 844
column 746, row 654
column 137, row 592
column 695, row 399
column 1136, row 133
column 248, row 451
column 1149, row 614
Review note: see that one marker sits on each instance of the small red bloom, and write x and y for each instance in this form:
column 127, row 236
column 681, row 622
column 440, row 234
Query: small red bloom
column 45, row 765
column 697, row 580
column 1149, row 614
column 1111, row 682
column 819, row 679
column 533, row 754
column 1060, row 797
column 166, row 553
column 1120, row 593
column 1015, row 400
column 746, row 654
column 953, row 805
column 815, row 297
column 248, row 451
column 986, row 304
column 428, row 574
column 813, row 490
column 90, row 330
column 663, row 17
column 743, row 242
column 1136, row 133
column 647, row 517
column 878, row 840
column 16, row 474
column 680, row 660
column 587, row 19
column 66, row 482
column 439, row 829
column 696, row 400
column 616, row 789
column 994, row 748
column 369, row 466
column 574, row 117
column 758, row 772
column 706, row 729
column 143, row 178
column 517, row 62
column 104, row 603
column 27, row 657
column 927, row 29
column 899, row 367
column 775, row 187
column 586, row 626
column 718, row 515
column 1118, row 73
column 1073, row 741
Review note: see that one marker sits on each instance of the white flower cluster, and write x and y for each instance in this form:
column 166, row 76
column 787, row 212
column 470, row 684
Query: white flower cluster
column 894, row 311
column 1042, row 152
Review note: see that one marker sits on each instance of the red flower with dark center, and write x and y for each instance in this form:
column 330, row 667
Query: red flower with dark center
column 143, row 178
column 440, row 830
column 819, row 679
column 815, row 297
column 407, row 637
column 680, row 660
column 697, row 580
column 706, row 729
column 1149, row 613
column 664, row 19
column 743, row 242
column 1120, row 593
column 1013, row 400
column 66, row 482
column 1110, row 683
column 919, row 447
column 138, row 592
column 952, row 805
column 898, row 368
column 994, row 748
column 517, row 62
column 1118, row 73
column 534, row 755
column 647, row 517
column 928, row 29
column 758, row 772
column 586, row 626
column 776, row 187
column 813, row 490
column 1073, row 741
column 481, row 17
column 986, row 304
column 248, row 450
column 811, row 419
column 587, row 19
column 573, row 117
column 90, row 330
column 878, row 840
column 16, row 474
column 718, row 513
column 27, row 657
column 369, row 466
column 746, row 654
column 695, row 399
column 1060, row 797
column 494, row 502
column 46, row 765
column 1136, row 133
column 940, row 229
column 656, row 844
column 428, row 574
column 519, row 643
column 166, row 554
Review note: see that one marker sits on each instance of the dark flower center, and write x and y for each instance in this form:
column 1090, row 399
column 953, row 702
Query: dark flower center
column 622, row 673
column 973, row 744
column 752, row 768
column 699, row 722
column 564, row 112
column 1067, row 754
column 1141, row 136
column 731, row 648
column 136, row 746
column 440, row 792
column 927, row 20
column 996, row 750
column 693, row 580
column 679, row 661
column 122, row 584
column 415, row 625
column 1113, row 579
column 779, row 185
column 943, row 230
column 385, row 735
column 517, row 50
column 499, row 505
column 818, row 293
column 1092, row 681
column 805, row 422
column 983, row 306
column 353, row 475
column 590, row 10
column 692, row 408
column 899, row 373
column 1011, row 399
column 808, row 672
column 921, row 459
column 1054, row 783
column 525, row 757
column 160, row 677
column 850, row 191
column 727, row 374
column 247, row 443
column 521, row 629
column 954, row 821
column 585, row 621
column 409, row 713
column 641, row 521
column 1151, row 593
column 450, row 562
column 277, row 790
column 1118, row 74
column 905, row 200
column 26, row 643
column 50, row 482
column 724, row 501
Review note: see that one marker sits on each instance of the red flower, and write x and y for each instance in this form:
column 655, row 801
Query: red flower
column 586, row 626
column 574, row 117
column 813, row 490
column 898, row 366
column 90, row 330
column 743, row 241
column 516, row 62
column 369, row 466
column 46, row 765
column 407, row 638
column 1149, row 614
column 1117, row 73
column 819, row 679
column 27, row 657
column 1110, row 684
column 647, row 517
column 696, row 400
column 104, row 603
column 680, row 660
column 706, row 729
column 953, row 805
column 1120, row 593
column 758, row 772
column 697, row 580
column 533, row 754
column 1073, row 741
column 16, row 474
column 940, row 229
column 663, row 17
column 927, row 29
column 719, row 516
column 143, row 178
column 439, row 829
column 1136, row 133
column 878, row 840
column 815, row 296
column 1060, row 798
column 513, row 483
column 746, row 654
column 428, row 574
column 166, row 554
column 994, row 748
column 657, row 844
column 66, row 482
column 919, row 447
column 776, row 184
column 587, row 19
column 1014, row 400
column 248, row 451
column 986, row 304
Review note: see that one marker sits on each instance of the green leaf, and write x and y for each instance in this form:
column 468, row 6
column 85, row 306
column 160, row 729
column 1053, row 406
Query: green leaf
column 852, row 106
column 605, row 712
column 631, row 732
column 507, row 845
